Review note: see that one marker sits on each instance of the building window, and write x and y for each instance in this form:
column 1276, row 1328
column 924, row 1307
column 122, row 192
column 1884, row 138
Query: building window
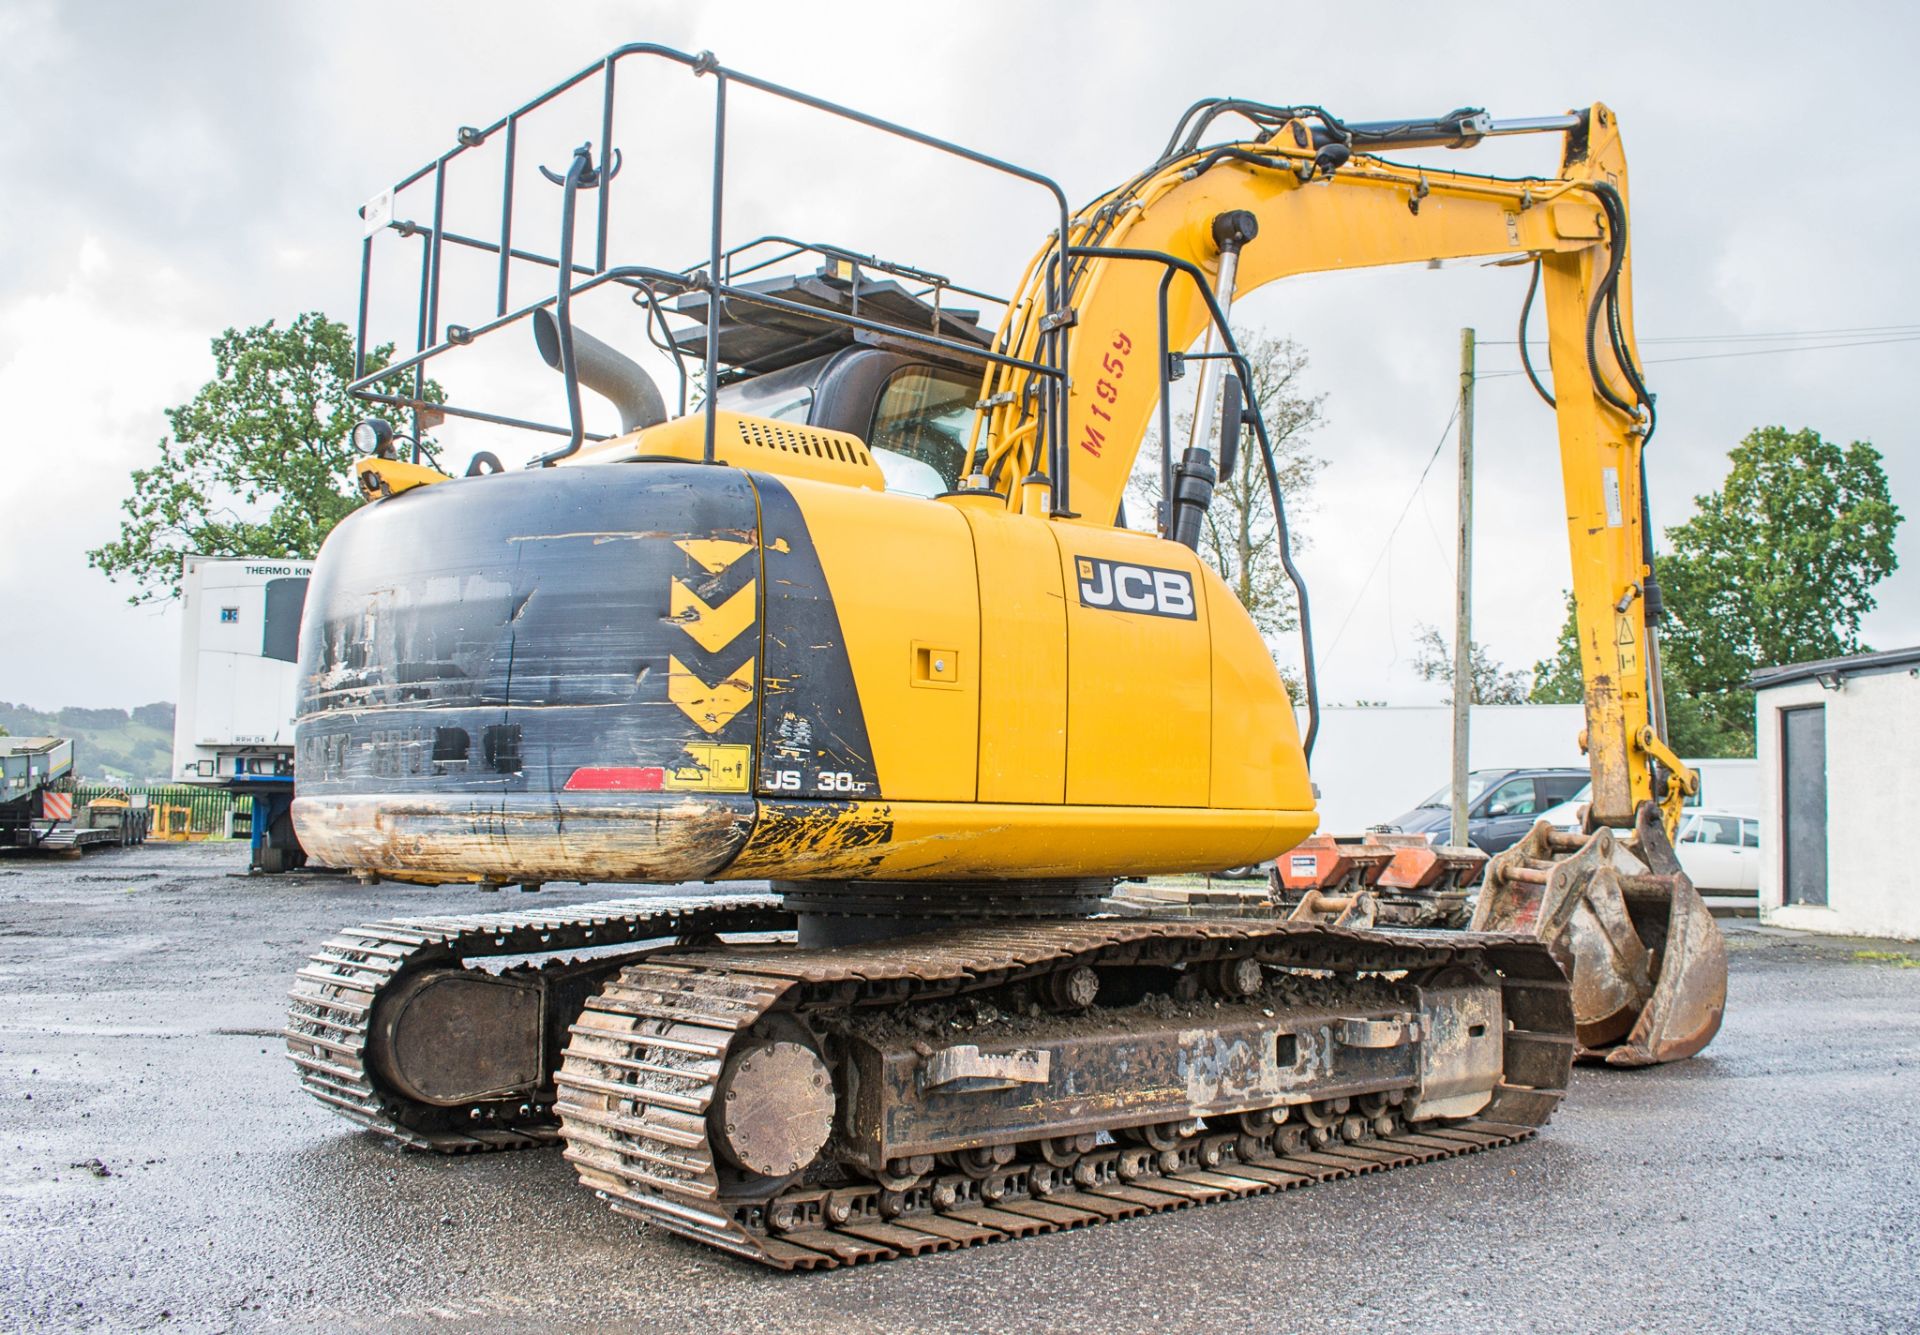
column 228, row 614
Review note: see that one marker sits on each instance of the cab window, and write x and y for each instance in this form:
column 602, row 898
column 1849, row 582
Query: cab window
column 924, row 418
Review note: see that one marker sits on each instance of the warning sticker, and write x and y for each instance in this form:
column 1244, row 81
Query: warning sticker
column 711, row 768
column 1610, row 484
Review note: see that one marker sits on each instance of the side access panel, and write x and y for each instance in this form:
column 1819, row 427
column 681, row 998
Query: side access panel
column 1139, row 708
column 872, row 677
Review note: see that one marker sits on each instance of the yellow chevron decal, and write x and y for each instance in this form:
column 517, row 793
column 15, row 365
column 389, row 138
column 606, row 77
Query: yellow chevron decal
column 711, row 627
column 713, row 554
column 712, row 707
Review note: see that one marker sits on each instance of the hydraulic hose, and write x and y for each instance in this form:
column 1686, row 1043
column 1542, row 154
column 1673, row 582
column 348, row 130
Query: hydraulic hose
column 1526, row 313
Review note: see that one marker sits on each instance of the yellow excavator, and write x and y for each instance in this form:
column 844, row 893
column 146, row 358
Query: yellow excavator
column 868, row 626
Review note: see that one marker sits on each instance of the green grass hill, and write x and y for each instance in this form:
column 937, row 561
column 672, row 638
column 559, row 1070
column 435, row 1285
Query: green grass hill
column 108, row 744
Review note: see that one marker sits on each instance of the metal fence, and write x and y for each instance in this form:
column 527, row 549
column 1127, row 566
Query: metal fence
column 189, row 812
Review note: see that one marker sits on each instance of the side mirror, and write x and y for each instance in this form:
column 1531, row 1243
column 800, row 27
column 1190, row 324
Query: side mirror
column 1232, row 414
column 1498, row 809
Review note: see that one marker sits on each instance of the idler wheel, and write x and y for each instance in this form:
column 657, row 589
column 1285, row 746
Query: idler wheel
column 983, row 1161
column 1161, row 1135
column 1065, row 1151
column 1235, row 979
column 1324, row 1112
column 774, row 1110
column 1261, row 1121
column 905, row 1174
column 1073, row 990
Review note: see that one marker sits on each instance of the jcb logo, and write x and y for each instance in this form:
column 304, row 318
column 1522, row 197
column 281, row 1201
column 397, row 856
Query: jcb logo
column 1144, row 589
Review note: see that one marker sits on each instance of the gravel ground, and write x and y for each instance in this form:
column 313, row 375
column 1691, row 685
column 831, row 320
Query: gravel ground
column 164, row 1170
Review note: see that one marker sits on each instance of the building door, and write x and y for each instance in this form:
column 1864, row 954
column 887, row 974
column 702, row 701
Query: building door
column 1803, row 808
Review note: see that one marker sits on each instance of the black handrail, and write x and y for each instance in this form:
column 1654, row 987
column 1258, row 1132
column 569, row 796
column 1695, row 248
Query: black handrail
column 1049, row 365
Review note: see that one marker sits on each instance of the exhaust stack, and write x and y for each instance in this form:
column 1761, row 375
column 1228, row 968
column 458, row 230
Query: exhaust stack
column 609, row 373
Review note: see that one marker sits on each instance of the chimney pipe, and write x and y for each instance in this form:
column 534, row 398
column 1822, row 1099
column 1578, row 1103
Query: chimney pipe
column 607, row 372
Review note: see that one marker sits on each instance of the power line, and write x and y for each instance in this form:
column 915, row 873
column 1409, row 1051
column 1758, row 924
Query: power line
column 1750, row 352
column 1387, row 546
column 1739, row 337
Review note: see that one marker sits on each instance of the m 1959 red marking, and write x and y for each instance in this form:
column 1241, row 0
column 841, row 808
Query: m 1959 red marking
column 1106, row 394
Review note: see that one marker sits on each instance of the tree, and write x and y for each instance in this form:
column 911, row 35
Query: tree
column 1490, row 684
column 1562, row 679
column 1239, row 539
column 257, row 463
column 1778, row 566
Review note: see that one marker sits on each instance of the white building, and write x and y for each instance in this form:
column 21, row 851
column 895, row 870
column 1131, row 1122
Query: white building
column 1372, row 763
column 239, row 637
column 1839, row 751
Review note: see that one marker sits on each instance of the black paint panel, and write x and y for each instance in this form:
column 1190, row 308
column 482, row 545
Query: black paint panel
column 529, row 611
column 286, row 600
column 810, row 715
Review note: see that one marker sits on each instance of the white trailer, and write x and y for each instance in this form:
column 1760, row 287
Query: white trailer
column 239, row 637
column 239, row 642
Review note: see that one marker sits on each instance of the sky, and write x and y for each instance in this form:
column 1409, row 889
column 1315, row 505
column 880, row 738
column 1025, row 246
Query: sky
column 167, row 172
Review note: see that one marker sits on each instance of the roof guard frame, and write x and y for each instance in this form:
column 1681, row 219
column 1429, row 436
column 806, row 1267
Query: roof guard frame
column 715, row 277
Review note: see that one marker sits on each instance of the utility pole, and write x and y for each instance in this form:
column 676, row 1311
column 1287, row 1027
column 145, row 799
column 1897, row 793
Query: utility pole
column 1463, row 598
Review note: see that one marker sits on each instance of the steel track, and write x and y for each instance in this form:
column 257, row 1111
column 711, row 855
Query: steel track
column 646, row 1055
column 336, row 994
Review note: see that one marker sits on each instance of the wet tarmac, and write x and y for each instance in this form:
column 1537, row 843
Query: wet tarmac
column 162, row 1170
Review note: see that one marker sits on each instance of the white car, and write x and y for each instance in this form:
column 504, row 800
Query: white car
column 1719, row 850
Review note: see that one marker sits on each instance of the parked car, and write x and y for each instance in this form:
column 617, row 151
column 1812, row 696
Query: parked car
column 1502, row 805
column 1718, row 850
column 1566, row 816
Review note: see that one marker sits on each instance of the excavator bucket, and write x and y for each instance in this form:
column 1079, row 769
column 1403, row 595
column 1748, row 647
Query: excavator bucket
column 1647, row 963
